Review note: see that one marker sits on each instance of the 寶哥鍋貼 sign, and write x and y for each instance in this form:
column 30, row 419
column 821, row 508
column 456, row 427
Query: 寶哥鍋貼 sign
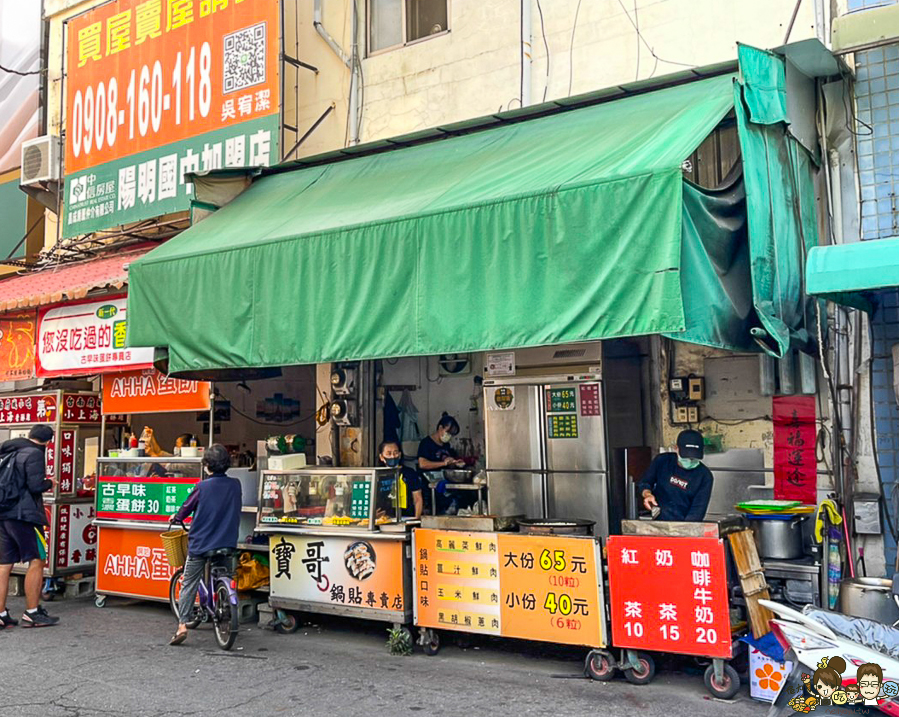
column 158, row 88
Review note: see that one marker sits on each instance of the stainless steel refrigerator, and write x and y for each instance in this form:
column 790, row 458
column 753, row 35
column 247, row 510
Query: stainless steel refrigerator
column 546, row 448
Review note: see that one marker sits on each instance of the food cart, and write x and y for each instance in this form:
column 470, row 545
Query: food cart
column 668, row 593
column 136, row 498
column 337, row 544
column 535, row 587
column 71, row 457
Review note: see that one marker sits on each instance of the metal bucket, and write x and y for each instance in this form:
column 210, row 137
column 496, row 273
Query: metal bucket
column 778, row 539
column 869, row 597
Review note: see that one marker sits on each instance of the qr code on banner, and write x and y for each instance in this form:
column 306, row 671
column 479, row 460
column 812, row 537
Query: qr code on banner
column 244, row 58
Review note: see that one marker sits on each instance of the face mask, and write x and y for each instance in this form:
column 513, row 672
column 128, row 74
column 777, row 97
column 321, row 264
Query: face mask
column 392, row 462
column 446, row 438
column 688, row 463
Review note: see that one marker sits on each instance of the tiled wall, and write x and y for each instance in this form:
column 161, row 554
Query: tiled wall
column 877, row 105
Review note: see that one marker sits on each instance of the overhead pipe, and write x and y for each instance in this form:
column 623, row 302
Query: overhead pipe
column 351, row 61
column 526, row 57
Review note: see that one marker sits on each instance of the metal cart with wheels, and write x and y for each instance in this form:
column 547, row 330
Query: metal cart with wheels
column 669, row 594
column 546, row 588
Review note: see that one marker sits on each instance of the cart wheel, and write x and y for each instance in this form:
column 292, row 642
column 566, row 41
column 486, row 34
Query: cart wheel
column 644, row 673
column 431, row 644
column 100, row 601
column 729, row 685
column 462, row 640
column 47, row 597
column 599, row 667
column 287, row 623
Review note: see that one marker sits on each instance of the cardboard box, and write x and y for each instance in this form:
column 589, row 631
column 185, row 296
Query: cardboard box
column 766, row 677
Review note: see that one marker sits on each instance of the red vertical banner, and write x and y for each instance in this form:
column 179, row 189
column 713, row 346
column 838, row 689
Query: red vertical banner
column 795, row 465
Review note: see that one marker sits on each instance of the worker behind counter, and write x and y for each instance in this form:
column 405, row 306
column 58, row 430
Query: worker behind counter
column 409, row 489
column 678, row 483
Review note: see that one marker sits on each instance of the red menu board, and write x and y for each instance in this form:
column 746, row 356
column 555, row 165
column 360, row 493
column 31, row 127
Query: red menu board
column 67, row 461
column 795, row 465
column 23, row 410
column 669, row 595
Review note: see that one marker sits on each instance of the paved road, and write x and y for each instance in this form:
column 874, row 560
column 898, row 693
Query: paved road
column 115, row 661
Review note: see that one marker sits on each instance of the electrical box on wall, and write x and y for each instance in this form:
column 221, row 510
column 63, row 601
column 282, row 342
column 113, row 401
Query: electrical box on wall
column 684, row 413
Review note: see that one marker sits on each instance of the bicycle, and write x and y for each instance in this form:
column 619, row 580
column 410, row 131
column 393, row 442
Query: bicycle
column 217, row 598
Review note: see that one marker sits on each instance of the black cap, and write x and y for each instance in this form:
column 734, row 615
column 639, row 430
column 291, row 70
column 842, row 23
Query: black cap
column 690, row 445
column 41, row 432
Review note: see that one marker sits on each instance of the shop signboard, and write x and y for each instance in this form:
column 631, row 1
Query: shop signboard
column 141, row 498
column 132, row 562
column 159, row 88
column 76, row 536
column 338, row 571
column 669, row 595
column 27, row 410
column 86, row 338
column 17, row 332
column 149, row 391
column 795, row 439
column 66, row 461
column 545, row 588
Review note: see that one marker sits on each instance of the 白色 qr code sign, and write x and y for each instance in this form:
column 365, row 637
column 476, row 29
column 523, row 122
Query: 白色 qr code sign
column 244, row 58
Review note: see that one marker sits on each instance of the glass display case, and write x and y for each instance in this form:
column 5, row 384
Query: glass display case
column 326, row 497
column 145, row 489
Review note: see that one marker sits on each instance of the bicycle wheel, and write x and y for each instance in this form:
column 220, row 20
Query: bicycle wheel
column 225, row 617
column 175, row 593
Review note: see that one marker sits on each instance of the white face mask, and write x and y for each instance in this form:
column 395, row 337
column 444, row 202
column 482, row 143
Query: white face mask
column 446, row 438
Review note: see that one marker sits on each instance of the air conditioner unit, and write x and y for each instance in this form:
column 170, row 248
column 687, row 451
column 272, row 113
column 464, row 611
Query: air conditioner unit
column 584, row 357
column 40, row 160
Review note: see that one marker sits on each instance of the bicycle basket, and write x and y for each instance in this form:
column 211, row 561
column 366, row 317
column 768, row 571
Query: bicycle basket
column 175, row 544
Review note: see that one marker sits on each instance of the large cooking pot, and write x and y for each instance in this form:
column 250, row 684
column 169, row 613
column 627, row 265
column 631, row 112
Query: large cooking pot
column 779, row 538
column 869, row 597
column 555, row 526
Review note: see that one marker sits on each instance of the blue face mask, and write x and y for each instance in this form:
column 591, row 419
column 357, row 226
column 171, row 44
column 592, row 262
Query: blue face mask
column 392, row 462
column 688, row 463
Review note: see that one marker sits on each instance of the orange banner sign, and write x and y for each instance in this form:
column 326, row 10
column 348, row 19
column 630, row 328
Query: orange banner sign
column 532, row 587
column 133, row 563
column 141, row 74
column 149, row 391
column 338, row 572
column 17, row 332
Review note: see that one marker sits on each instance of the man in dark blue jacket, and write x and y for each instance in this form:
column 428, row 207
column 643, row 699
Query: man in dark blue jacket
column 215, row 504
column 22, row 527
column 678, row 483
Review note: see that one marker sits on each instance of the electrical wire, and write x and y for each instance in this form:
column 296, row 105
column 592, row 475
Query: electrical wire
column 850, row 111
column 577, row 12
column 735, row 422
column 546, row 46
column 648, row 46
column 27, row 73
column 637, row 25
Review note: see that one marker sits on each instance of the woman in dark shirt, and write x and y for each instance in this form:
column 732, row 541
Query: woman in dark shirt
column 434, row 451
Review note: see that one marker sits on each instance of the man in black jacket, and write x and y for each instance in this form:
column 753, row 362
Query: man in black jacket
column 21, row 527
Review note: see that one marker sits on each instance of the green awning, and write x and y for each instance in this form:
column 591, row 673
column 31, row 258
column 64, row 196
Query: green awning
column 851, row 274
column 558, row 229
column 577, row 225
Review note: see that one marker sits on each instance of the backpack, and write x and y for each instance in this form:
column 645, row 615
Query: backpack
column 11, row 484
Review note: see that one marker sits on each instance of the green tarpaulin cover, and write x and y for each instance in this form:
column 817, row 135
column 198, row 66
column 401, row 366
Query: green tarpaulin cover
column 851, row 274
column 570, row 227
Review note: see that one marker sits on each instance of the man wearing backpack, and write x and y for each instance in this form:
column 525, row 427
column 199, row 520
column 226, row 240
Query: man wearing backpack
column 23, row 477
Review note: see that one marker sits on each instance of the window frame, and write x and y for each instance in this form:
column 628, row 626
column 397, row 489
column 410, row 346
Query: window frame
column 404, row 23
